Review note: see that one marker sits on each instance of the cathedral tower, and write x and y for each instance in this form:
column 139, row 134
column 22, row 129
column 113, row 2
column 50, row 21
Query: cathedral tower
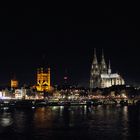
column 109, row 68
column 103, row 66
column 95, row 72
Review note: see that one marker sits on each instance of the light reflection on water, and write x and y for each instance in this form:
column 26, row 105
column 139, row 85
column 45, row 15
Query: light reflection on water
column 5, row 119
column 77, row 122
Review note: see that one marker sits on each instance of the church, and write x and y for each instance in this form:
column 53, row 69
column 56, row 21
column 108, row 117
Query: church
column 101, row 75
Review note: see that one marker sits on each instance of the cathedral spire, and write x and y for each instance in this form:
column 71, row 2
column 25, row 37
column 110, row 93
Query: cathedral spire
column 103, row 59
column 109, row 68
column 103, row 64
column 95, row 71
column 95, row 57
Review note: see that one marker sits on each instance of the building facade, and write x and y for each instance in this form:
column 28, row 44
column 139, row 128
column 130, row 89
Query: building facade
column 101, row 75
column 43, row 80
column 14, row 83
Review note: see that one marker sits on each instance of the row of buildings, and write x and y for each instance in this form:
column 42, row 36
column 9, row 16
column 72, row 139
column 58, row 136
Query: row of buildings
column 101, row 76
column 43, row 80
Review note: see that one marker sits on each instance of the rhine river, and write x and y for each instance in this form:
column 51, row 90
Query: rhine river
column 71, row 123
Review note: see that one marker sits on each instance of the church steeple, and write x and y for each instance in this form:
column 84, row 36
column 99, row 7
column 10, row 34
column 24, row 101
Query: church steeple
column 95, row 72
column 95, row 67
column 95, row 62
column 103, row 59
column 103, row 64
column 109, row 68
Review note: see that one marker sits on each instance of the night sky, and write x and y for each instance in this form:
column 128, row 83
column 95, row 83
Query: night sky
column 30, row 38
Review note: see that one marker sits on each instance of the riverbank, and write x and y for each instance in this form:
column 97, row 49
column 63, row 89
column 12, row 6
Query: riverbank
column 43, row 103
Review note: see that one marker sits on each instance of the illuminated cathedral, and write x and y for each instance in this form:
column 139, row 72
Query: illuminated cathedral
column 101, row 75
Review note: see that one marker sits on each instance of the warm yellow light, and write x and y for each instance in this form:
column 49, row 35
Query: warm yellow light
column 14, row 83
column 43, row 80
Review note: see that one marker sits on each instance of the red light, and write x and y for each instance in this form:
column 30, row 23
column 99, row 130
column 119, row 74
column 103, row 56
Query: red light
column 65, row 78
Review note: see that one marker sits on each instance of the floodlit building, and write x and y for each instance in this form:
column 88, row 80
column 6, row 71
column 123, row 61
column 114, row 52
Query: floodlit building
column 101, row 75
column 43, row 80
column 14, row 83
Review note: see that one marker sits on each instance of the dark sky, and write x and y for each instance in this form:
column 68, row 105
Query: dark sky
column 66, row 43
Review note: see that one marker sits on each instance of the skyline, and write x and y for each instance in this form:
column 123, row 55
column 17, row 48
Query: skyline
column 54, row 85
column 76, row 59
column 79, row 82
column 66, row 43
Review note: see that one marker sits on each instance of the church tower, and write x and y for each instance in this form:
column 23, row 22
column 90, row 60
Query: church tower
column 95, row 73
column 43, row 80
column 109, row 68
column 103, row 66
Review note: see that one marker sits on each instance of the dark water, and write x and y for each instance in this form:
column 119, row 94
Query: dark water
column 71, row 123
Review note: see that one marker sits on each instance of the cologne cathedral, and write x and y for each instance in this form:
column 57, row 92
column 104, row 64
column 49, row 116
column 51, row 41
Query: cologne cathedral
column 101, row 75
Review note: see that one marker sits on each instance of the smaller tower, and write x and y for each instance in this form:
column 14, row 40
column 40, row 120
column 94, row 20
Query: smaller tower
column 14, row 82
column 109, row 68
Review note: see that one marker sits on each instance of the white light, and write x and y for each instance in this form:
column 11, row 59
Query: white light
column 0, row 94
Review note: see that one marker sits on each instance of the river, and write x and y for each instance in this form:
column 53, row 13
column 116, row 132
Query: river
column 71, row 123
